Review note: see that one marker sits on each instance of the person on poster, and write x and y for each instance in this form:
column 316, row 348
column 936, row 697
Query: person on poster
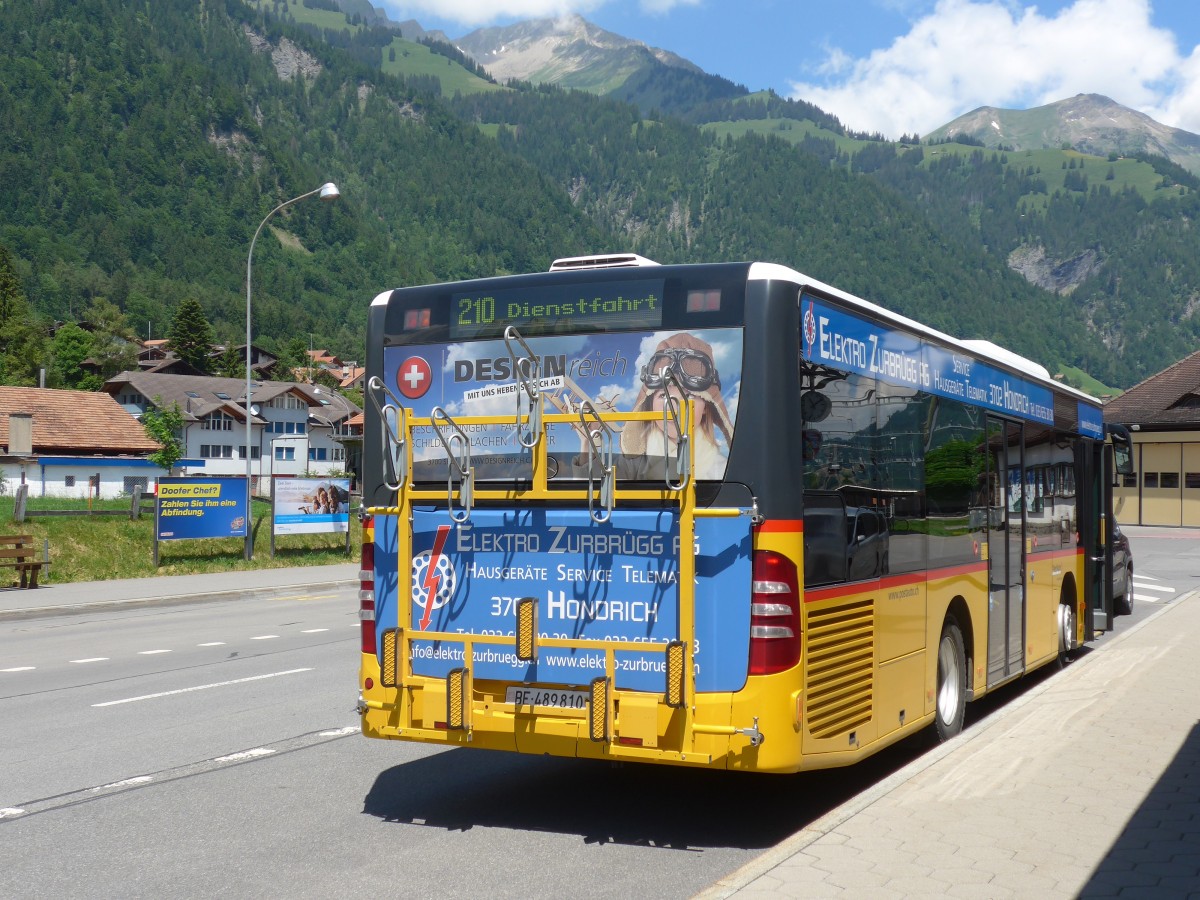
column 680, row 368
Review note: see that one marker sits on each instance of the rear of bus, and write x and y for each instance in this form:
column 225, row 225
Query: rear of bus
column 583, row 531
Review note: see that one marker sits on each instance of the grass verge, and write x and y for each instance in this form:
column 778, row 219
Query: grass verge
column 103, row 547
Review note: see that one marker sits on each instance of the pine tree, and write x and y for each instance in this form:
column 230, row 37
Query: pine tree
column 190, row 335
column 22, row 344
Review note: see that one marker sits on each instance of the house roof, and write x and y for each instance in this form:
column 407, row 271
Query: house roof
column 1169, row 398
column 199, row 395
column 74, row 422
column 324, row 357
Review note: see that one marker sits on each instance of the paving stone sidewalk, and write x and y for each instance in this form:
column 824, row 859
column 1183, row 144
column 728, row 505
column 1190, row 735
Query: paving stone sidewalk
column 1090, row 787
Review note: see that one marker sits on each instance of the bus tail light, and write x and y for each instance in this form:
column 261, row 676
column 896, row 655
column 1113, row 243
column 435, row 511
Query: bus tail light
column 366, row 586
column 774, row 614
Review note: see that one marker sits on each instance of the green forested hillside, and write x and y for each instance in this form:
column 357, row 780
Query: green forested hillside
column 142, row 144
column 677, row 194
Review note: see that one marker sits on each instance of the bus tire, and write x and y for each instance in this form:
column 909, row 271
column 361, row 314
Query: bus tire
column 951, row 682
column 1066, row 632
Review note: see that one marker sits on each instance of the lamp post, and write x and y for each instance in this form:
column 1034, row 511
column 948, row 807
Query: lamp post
column 327, row 191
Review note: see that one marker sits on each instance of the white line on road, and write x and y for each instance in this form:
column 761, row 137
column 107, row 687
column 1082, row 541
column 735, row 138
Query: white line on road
column 245, row 754
column 91, row 659
column 11, row 812
column 349, row 729
column 151, row 652
column 128, row 782
column 1152, row 587
column 313, row 630
column 200, row 687
column 212, row 644
column 19, row 669
column 264, row 637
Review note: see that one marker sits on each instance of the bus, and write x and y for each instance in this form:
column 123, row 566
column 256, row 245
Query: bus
column 716, row 515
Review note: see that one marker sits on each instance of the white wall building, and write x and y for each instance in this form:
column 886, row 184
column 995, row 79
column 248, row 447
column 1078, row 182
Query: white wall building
column 72, row 444
column 292, row 425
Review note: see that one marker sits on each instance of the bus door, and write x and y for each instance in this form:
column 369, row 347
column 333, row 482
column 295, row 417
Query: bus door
column 1094, row 506
column 1006, row 550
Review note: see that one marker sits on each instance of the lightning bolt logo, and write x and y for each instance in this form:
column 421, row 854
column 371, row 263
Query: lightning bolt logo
column 433, row 578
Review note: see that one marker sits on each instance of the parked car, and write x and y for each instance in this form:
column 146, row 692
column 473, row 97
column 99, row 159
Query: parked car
column 1122, row 573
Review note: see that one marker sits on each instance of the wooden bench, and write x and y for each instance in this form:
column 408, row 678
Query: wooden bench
column 17, row 551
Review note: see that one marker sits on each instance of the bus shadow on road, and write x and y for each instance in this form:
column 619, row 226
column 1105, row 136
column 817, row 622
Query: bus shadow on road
column 608, row 803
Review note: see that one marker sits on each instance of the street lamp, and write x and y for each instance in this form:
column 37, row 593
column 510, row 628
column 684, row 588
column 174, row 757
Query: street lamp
column 327, row 191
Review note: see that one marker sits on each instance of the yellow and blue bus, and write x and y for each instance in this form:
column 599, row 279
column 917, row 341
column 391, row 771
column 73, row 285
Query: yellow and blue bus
column 716, row 515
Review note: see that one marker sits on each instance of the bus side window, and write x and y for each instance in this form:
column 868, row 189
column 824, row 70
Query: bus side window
column 826, row 527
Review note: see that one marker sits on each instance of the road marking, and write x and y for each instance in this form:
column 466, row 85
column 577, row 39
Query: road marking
column 128, row 782
column 313, row 630
column 19, row 669
column 1153, row 587
column 245, row 754
column 90, row 794
column 1146, row 598
column 264, row 637
column 212, row 644
column 200, row 687
column 151, row 652
column 91, row 659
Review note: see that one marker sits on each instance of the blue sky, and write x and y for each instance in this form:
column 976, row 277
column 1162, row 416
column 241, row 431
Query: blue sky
column 899, row 66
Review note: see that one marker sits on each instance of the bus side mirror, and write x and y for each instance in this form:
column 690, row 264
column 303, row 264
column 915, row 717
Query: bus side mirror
column 1122, row 449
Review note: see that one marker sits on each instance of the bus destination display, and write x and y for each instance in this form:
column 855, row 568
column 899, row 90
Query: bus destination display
column 608, row 306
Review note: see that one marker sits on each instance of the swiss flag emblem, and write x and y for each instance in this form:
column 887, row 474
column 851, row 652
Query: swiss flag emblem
column 414, row 377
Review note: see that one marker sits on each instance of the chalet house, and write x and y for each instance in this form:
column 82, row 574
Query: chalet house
column 74, row 444
column 1163, row 416
column 294, row 428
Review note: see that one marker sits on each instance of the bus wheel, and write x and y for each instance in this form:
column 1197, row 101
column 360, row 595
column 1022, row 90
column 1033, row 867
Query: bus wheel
column 951, row 681
column 1066, row 632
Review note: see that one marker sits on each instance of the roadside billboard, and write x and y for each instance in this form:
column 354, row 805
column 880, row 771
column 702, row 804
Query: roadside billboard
column 190, row 508
column 311, row 505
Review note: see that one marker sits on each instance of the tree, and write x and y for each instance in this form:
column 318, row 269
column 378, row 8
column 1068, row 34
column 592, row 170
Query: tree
column 113, row 349
column 22, row 344
column 230, row 364
column 70, row 347
column 165, row 425
column 190, row 335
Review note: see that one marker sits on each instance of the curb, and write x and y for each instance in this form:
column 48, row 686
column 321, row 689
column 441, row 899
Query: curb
column 790, row 846
column 34, row 612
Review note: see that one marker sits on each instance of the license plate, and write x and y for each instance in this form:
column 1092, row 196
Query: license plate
column 528, row 696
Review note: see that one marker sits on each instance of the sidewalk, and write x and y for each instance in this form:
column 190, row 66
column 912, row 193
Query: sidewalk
column 66, row 599
column 1086, row 785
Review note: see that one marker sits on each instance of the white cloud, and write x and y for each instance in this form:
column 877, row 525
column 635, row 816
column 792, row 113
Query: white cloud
column 1182, row 108
column 968, row 53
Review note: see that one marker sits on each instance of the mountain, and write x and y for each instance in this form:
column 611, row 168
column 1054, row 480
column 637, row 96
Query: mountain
column 1089, row 123
column 569, row 51
column 140, row 145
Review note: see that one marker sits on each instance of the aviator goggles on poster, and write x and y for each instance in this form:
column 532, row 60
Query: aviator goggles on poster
column 691, row 368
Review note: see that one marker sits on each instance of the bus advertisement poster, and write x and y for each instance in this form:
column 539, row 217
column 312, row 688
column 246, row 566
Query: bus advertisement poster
column 613, row 582
column 311, row 505
column 190, row 508
column 614, row 372
column 847, row 342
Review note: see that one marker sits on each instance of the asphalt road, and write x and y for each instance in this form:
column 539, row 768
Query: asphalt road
column 212, row 748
